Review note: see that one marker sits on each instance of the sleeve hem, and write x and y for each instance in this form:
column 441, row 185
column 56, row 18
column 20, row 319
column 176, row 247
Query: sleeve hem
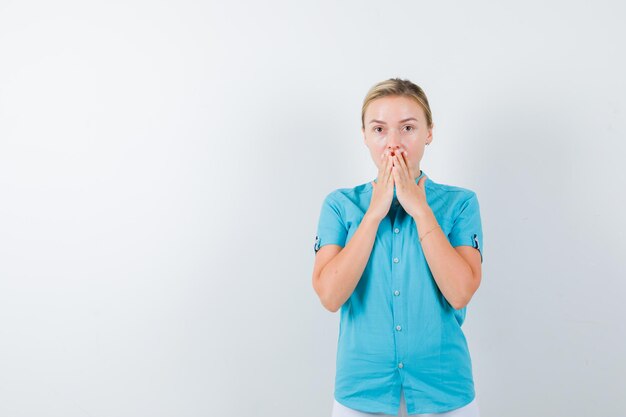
column 461, row 243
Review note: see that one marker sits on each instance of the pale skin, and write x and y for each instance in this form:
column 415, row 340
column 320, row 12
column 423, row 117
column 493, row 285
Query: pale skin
column 396, row 131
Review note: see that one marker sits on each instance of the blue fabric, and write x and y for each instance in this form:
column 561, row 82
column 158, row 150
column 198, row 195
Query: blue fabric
column 427, row 356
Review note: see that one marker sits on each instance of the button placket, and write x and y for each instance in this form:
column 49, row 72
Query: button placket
column 397, row 277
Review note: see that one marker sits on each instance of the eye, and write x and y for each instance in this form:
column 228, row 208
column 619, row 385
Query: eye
column 378, row 131
column 409, row 128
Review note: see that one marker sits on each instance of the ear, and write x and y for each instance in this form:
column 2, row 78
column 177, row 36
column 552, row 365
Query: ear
column 430, row 133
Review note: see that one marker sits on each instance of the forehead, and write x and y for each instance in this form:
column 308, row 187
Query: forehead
column 394, row 107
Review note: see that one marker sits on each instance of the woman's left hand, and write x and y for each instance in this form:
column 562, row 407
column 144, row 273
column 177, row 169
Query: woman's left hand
column 411, row 194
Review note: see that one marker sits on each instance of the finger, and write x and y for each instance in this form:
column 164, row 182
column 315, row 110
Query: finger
column 388, row 168
column 382, row 160
column 405, row 160
column 406, row 169
column 400, row 168
column 385, row 159
column 382, row 168
column 403, row 164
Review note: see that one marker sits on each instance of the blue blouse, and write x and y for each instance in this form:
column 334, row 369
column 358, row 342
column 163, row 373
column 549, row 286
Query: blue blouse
column 397, row 331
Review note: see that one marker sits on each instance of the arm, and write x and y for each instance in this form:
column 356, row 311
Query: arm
column 335, row 281
column 457, row 271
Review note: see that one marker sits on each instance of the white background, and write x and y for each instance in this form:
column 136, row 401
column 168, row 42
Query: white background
column 163, row 165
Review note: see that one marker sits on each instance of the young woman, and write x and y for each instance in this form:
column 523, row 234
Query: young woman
column 401, row 257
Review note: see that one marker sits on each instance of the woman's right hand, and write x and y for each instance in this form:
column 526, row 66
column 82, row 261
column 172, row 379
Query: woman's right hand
column 382, row 193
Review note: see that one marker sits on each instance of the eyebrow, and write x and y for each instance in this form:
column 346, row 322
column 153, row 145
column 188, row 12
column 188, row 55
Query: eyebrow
column 401, row 121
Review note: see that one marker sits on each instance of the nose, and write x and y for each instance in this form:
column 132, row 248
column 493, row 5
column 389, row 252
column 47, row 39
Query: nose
column 393, row 143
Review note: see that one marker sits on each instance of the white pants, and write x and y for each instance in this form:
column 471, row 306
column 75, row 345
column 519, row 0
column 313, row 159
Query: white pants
column 469, row 410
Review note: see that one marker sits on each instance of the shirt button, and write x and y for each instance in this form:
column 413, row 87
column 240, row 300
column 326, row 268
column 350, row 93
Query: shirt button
column 396, row 292
column 398, row 327
column 400, row 365
column 396, row 230
column 396, row 260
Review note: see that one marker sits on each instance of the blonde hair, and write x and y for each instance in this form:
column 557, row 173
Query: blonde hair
column 397, row 87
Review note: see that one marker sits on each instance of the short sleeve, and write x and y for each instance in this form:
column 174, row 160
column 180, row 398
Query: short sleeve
column 330, row 227
column 467, row 227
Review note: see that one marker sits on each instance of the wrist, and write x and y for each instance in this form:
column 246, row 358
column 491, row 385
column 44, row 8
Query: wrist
column 424, row 211
column 370, row 218
column 426, row 225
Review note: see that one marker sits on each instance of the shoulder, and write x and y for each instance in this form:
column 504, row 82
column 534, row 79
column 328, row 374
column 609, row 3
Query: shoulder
column 452, row 196
column 453, row 191
column 348, row 193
